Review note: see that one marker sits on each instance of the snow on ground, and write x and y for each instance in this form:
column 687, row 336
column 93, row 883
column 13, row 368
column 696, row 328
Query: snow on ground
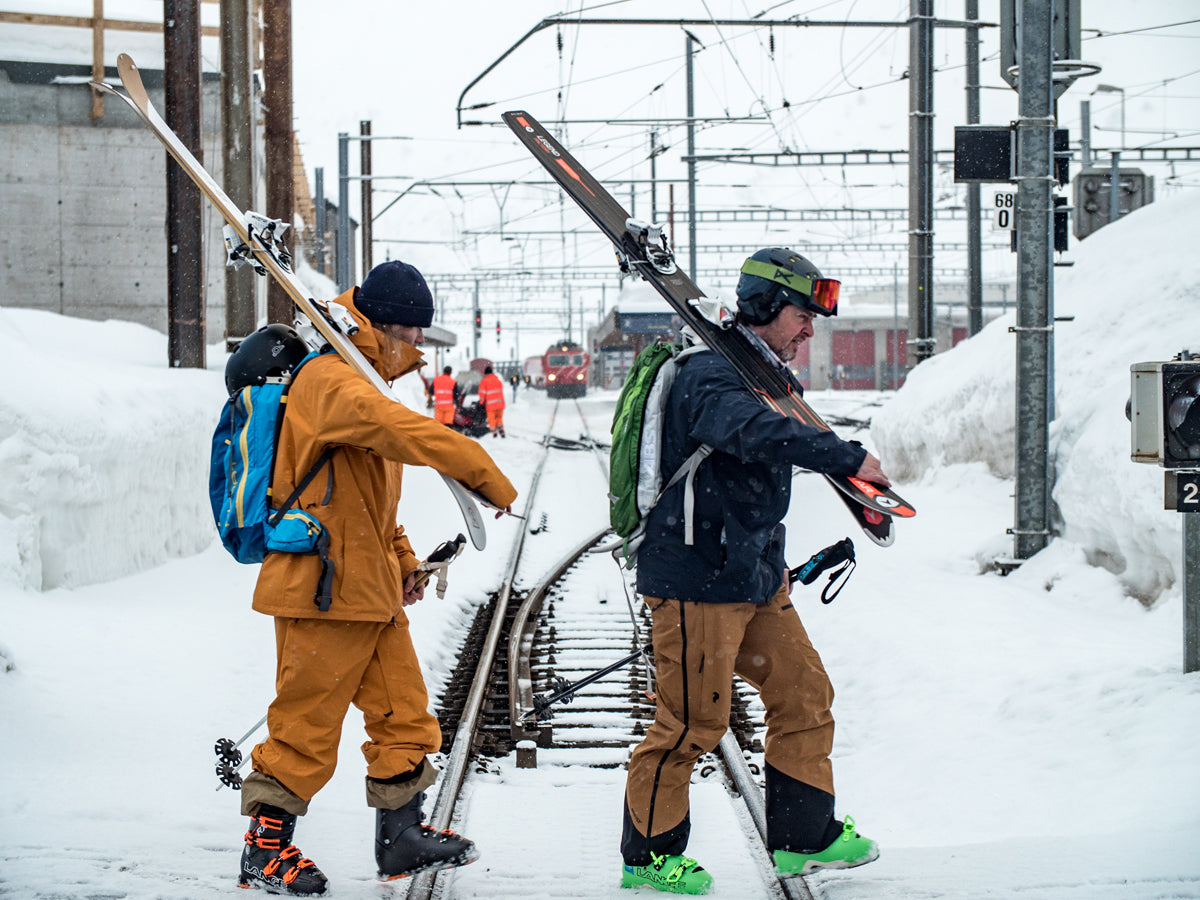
column 1028, row 736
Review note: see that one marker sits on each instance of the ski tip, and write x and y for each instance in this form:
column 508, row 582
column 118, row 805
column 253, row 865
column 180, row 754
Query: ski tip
column 130, row 76
column 519, row 119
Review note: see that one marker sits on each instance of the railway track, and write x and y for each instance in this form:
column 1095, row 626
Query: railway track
column 570, row 617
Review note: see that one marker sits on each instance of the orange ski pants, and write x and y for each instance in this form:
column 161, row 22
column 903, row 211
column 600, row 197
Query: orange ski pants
column 444, row 414
column 698, row 647
column 322, row 667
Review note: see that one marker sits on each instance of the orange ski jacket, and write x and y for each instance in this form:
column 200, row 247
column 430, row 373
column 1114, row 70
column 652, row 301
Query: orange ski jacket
column 356, row 496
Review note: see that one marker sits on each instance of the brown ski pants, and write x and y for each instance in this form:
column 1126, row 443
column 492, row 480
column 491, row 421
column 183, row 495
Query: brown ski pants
column 322, row 667
column 698, row 647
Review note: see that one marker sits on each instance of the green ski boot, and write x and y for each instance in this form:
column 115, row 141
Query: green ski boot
column 673, row 874
column 849, row 849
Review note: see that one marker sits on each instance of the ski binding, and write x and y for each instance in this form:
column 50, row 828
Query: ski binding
column 652, row 240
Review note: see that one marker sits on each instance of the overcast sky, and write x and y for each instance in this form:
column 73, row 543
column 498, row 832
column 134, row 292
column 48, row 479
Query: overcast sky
column 404, row 65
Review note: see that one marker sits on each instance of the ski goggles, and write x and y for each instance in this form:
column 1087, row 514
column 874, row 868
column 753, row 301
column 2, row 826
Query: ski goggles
column 820, row 294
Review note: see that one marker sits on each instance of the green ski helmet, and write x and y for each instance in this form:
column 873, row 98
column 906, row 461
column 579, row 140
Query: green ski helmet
column 775, row 276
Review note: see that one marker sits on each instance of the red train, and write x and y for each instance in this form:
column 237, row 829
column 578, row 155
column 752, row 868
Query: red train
column 565, row 368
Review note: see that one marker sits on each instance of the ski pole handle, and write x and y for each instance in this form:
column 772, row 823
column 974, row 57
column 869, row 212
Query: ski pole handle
column 837, row 557
column 438, row 561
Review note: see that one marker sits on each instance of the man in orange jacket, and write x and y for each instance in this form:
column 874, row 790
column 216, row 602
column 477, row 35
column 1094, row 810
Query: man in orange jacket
column 444, row 387
column 491, row 395
column 359, row 649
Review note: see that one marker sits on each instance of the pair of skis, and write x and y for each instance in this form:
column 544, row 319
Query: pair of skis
column 254, row 238
column 250, row 237
column 643, row 249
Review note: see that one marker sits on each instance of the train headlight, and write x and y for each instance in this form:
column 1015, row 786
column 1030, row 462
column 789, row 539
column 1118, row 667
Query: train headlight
column 579, row 377
column 551, row 377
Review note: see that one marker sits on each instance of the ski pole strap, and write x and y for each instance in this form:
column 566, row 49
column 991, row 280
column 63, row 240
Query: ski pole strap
column 837, row 580
column 438, row 561
column 837, row 559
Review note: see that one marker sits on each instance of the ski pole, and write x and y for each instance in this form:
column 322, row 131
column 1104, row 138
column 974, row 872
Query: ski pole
column 230, row 759
column 564, row 691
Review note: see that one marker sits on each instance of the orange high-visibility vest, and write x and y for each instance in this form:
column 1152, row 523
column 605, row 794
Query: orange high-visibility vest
column 443, row 390
column 491, row 392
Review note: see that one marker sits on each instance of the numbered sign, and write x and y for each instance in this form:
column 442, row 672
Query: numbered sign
column 1187, row 492
column 1005, row 211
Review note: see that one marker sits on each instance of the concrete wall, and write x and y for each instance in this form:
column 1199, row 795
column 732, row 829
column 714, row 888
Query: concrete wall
column 83, row 203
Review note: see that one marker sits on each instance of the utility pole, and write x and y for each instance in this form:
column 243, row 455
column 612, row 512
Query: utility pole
column 237, row 146
column 280, row 158
column 185, row 270
column 691, row 150
column 653, row 177
column 319, row 222
column 341, row 256
column 920, row 175
column 1035, row 266
column 974, row 226
column 364, row 156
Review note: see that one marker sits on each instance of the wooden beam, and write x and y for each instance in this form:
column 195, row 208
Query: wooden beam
column 97, row 110
column 19, row 18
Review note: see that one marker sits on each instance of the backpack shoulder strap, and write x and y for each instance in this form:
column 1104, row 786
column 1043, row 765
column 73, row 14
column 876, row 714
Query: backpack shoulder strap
column 688, row 469
column 287, row 504
column 325, row 456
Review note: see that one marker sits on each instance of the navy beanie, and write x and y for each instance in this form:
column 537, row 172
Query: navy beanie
column 395, row 293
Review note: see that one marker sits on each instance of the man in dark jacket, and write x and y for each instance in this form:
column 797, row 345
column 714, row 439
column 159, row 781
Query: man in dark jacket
column 720, row 600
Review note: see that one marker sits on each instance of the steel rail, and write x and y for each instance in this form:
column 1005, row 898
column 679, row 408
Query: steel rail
column 794, row 888
column 455, row 770
column 520, row 642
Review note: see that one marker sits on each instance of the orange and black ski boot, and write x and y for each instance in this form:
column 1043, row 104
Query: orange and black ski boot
column 272, row 861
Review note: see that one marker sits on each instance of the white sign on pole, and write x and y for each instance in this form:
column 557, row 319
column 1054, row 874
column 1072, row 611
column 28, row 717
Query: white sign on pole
column 1004, row 211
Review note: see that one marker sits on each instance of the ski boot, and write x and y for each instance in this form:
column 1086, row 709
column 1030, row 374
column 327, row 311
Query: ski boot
column 270, row 859
column 404, row 845
column 673, row 874
column 847, row 850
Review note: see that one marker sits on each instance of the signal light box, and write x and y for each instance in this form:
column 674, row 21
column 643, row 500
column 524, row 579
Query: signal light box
column 984, row 153
column 1164, row 413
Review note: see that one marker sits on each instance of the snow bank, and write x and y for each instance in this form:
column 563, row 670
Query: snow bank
column 958, row 407
column 104, row 450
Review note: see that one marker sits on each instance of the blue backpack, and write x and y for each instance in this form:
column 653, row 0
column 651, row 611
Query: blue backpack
column 239, row 482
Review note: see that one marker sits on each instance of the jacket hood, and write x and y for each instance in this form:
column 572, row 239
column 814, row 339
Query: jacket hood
column 388, row 361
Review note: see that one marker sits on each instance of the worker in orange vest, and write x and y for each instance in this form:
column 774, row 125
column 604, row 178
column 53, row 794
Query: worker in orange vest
column 443, row 397
column 491, row 395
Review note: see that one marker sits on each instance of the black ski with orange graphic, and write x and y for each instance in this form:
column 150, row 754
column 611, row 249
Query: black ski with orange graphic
column 644, row 250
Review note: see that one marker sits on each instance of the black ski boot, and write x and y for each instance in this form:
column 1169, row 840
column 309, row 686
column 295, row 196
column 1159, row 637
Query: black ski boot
column 405, row 846
column 272, row 861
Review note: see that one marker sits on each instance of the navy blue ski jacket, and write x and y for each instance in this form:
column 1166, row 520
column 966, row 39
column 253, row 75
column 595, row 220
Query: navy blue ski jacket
column 742, row 489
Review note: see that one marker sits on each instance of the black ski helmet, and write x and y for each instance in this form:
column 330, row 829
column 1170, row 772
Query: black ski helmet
column 782, row 276
column 271, row 352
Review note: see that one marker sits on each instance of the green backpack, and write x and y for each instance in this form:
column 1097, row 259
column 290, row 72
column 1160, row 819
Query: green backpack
column 634, row 478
